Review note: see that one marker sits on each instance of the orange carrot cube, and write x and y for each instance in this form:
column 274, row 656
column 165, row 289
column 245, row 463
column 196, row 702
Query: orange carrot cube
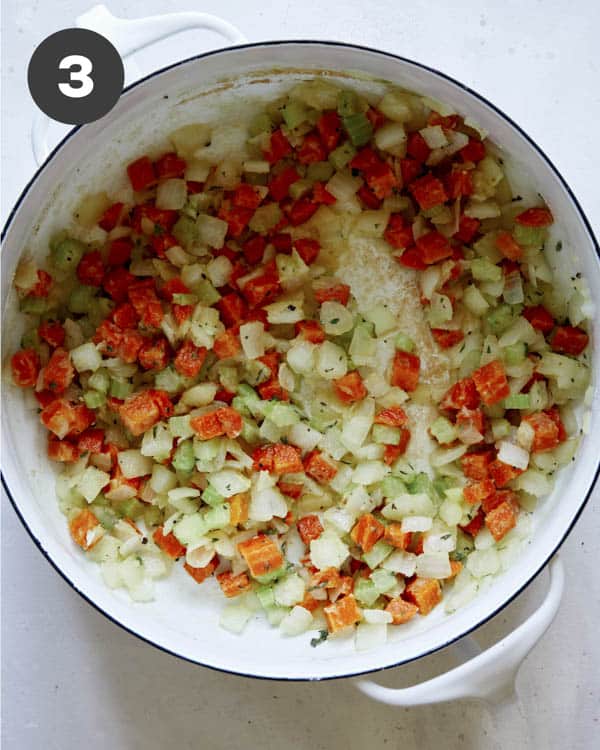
column 396, row 537
column 85, row 529
column 491, row 383
column 367, row 532
column 261, row 554
column 318, row 468
column 309, row 528
column 233, row 585
column 238, row 509
column 168, row 543
column 501, row 520
column 342, row 613
column 426, row 593
column 477, row 491
column 401, row 611
column 405, row 370
column 201, row 574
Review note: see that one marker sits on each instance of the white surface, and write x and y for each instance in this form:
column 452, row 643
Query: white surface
column 70, row 675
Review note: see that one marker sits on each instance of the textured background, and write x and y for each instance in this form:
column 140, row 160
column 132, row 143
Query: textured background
column 71, row 678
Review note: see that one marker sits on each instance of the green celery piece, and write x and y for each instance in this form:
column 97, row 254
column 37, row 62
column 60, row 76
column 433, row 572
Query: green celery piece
column 393, row 486
column 265, row 596
column 341, row 155
column 319, row 171
column 348, row 103
column 377, row 554
column 383, row 580
column 120, row 388
column 515, row 354
column 443, row 430
column 260, row 124
column 30, row 339
column 33, row 305
column 100, row 380
column 359, row 129
column 211, row 497
column 272, row 575
column 404, row 343
column 365, row 592
column 517, row 401
column 66, row 254
column 94, row 399
column 386, row 435
column 500, row 318
column 82, row 299
column 184, row 458
column 294, row 113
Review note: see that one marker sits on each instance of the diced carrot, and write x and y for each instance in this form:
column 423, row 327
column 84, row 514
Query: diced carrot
column 272, row 389
column 467, row 229
column 501, row 474
column 474, row 151
column 309, row 528
column 396, row 537
column 111, row 217
column 65, row 419
column 227, row 344
column 263, row 288
column 310, row 603
column 232, row 309
column 393, row 416
column 501, row 520
column 417, row 147
column 459, row 183
column 350, row 387
column 554, row 413
column 139, row 412
column 279, row 147
column 261, row 554
column 392, row 452
column 280, row 185
column 412, row 257
column 381, row 179
column 307, row 249
column 477, row 491
column 223, row 421
column 301, row 211
column 535, row 217
column 277, row 459
column 238, row 508
column 333, row 293
column 168, row 543
column 233, row 585
column 569, row 340
column 119, row 251
column 508, row 246
column 189, row 359
column 291, row 489
column 398, row 232
column 85, row 529
column 246, row 196
column 428, row 192
column 491, row 383
column 25, row 366
column 170, row 165
column 63, row 451
column 426, row 593
column 401, row 611
column 539, row 318
column 318, row 468
column 320, row 194
column 58, row 374
column 433, row 247
column 253, row 250
column 546, row 432
column 342, row 613
column 475, row 524
column 446, row 339
column 141, row 173
column 455, row 567
column 471, row 425
column 367, row 532
column 201, row 574
column 329, row 126
column 476, row 465
column 311, row 150
column 311, row 330
column 405, row 370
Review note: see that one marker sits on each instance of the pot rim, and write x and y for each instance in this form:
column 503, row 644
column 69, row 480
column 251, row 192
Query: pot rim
column 582, row 216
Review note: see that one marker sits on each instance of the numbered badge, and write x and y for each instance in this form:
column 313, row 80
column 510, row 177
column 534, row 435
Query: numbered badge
column 75, row 76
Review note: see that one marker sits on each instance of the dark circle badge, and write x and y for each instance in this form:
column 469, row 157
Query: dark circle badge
column 75, row 76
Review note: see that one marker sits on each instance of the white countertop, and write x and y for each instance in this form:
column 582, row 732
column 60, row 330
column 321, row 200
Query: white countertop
column 71, row 678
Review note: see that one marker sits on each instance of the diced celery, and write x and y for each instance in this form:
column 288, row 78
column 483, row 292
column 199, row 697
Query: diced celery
column 515, row 354
column 319, row 171
column 106, row 516
column 348, row 103
column 443, row 430
column 66, row 254
column 484, row 270
column 365, row 592
column 517, row 401
column 33, row 305
column 100, row 381
column 120, row 388
column 185, row 299
column 217, row 517
column 300, row 188
column 272, row 575
column 393, row 486
column 385, row 434
column 529, row 236
column 206, row 292
column 384, row 580
column 30, row 339
column 363, row 346
column 500, row 318
column 82, row 299
column 382, row 318
column 185, row 231
column 211, row 497
column 266, row 597
column 282, row 414
column 181, row 426
column 294, row 113
column 94, row 399
column 377, row 554
column 131, row 508
column 404, row 343
column 169, row 380
column 341, row 155
column 250, row 431
column 359, row 128
column 184, row 458
column 261, row 123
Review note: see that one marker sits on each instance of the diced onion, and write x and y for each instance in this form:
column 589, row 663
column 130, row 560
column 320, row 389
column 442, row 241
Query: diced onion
column 513, row 455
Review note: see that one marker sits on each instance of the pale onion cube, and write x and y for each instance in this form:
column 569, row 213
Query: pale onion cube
column 133, row 464
column 377, row 616
column 86, row 357
column 228, row 482
column 433, row 565
column 91, row 482
column 304, row 436
column 289, row 590
column 369, row 636
column 328, row 551
column 200, row 395
column 252, row 338
column 199, row 554
column 419, row 504
column 335, row 318
column 450, row 512
column 301, row 357
column 171, row 194
column 298, row 621
column 434, row 136
column 343, row 186
column 189, row 529
column 401, row 562
column 416, row 523
column 392, row 138
column 513, row 455
column 219, row 270
column 340, row 519
column 162, row 479
column 211, row 231
column 370, row 472
column 286, row 311
column 332, row 362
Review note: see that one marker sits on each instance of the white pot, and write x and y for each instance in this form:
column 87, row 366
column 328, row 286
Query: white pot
column 184, row 618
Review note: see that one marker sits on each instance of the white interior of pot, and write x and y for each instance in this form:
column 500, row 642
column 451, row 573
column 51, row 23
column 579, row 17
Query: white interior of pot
column 184, row 617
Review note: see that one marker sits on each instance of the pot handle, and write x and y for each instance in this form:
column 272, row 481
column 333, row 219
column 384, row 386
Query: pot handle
column 130, row 35
column 490, row 675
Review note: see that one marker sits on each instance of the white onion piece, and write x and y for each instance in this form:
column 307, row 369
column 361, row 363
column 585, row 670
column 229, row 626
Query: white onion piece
column 513, row 455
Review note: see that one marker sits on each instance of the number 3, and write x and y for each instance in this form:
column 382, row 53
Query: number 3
column 82, row 76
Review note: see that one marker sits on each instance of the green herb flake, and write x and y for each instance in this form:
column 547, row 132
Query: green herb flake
column 322, row 637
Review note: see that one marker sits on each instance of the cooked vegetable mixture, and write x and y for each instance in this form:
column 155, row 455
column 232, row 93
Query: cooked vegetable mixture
column 221, row 401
